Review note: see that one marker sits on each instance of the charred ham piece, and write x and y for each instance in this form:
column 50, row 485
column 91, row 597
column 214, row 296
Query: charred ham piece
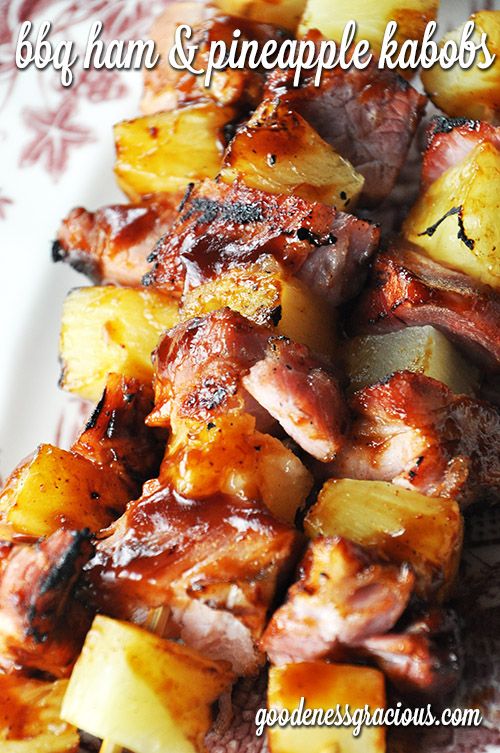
column 449, row 141
column 41, row 626
column 166, row 88
column 113, row 243
column 160, row 82
column 349, row 606
column 408, row 289
column 211, row 364
column 303, row 397
column 217, row 563
column 369, row 116
column 343, row 596
column 222, row 226
column 412, row 430
column 422, row 658
column 116, row 435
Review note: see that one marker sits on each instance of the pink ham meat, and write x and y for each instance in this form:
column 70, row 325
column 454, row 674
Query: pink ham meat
column 210, row 364
column 41, row 626
column 369, row 116
column 166, row 88
column 217, row 564
column 449, row 141
column 113, row 244
column 343, row 596
column 223, row 226
column 407, row 288
column 349, row 606
column 412, row 430
column 422, row 658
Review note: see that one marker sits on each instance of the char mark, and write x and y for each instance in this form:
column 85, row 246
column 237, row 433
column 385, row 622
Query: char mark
column 96, row 413
column 239, row 212
column 64, row 568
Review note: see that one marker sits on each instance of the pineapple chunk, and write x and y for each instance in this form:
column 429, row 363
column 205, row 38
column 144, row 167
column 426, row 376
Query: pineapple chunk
column 403, row 525
column 371, row 18
column 107, row 329
column 306, row 319
column 457, row 220
column 323, row 686
column 263, row 293
column 29, row 717
column 424, row 350
column 143, row 692
column 472, row 92
column 279, row 152
column 165, row 151
column 56, row 488
column 285, row 13
column 229, row 456
column 251, row 289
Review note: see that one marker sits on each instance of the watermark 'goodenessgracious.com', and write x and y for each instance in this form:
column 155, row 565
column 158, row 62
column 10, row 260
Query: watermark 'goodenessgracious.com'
column 343, row 716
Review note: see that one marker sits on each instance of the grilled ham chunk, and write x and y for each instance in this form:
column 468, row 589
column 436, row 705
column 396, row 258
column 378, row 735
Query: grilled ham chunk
column 41, row 626
column 217, row 563
column 412, row 430
column 222, row 226
column 421, row 658
column 343, row 596
column 166, row 88
column 348, row 606
column 209, row 365
column 113, row 243
column 449, row 141
column 160, row 82
column 407, row 288
column 116, row 436
column 369, row 116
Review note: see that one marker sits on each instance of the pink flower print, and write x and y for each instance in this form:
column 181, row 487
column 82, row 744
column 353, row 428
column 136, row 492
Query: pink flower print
column 55, row 134
column 102, row 85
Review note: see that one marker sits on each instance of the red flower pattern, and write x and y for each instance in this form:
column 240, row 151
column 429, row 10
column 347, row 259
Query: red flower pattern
column 58, row 126
column 101, row 86
column 55, row 134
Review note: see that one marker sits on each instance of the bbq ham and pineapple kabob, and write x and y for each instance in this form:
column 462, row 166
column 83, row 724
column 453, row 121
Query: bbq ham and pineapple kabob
column 262, row 386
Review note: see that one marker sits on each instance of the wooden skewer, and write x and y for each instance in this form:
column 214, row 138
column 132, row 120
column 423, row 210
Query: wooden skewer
column 157, row 620
column 110, row 747
column 155, row 623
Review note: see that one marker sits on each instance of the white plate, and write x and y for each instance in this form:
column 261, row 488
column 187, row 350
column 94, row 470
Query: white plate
column 56, row 151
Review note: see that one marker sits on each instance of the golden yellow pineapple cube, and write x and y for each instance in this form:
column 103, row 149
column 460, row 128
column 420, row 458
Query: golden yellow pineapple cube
column 264, row 293
column 400, row 524
column 285, row 482
column 457, row 220
column 279, row 152
column 145, row 693
column 251, row 289
column 323, row 686
column 228, row 455
column 285, row 13
column 424, row 350
column 371, row 18
column 106, row 329
column 164, row 151
column 471, row 92
column 306, row 319
column 30, row 717
column 56, row 488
